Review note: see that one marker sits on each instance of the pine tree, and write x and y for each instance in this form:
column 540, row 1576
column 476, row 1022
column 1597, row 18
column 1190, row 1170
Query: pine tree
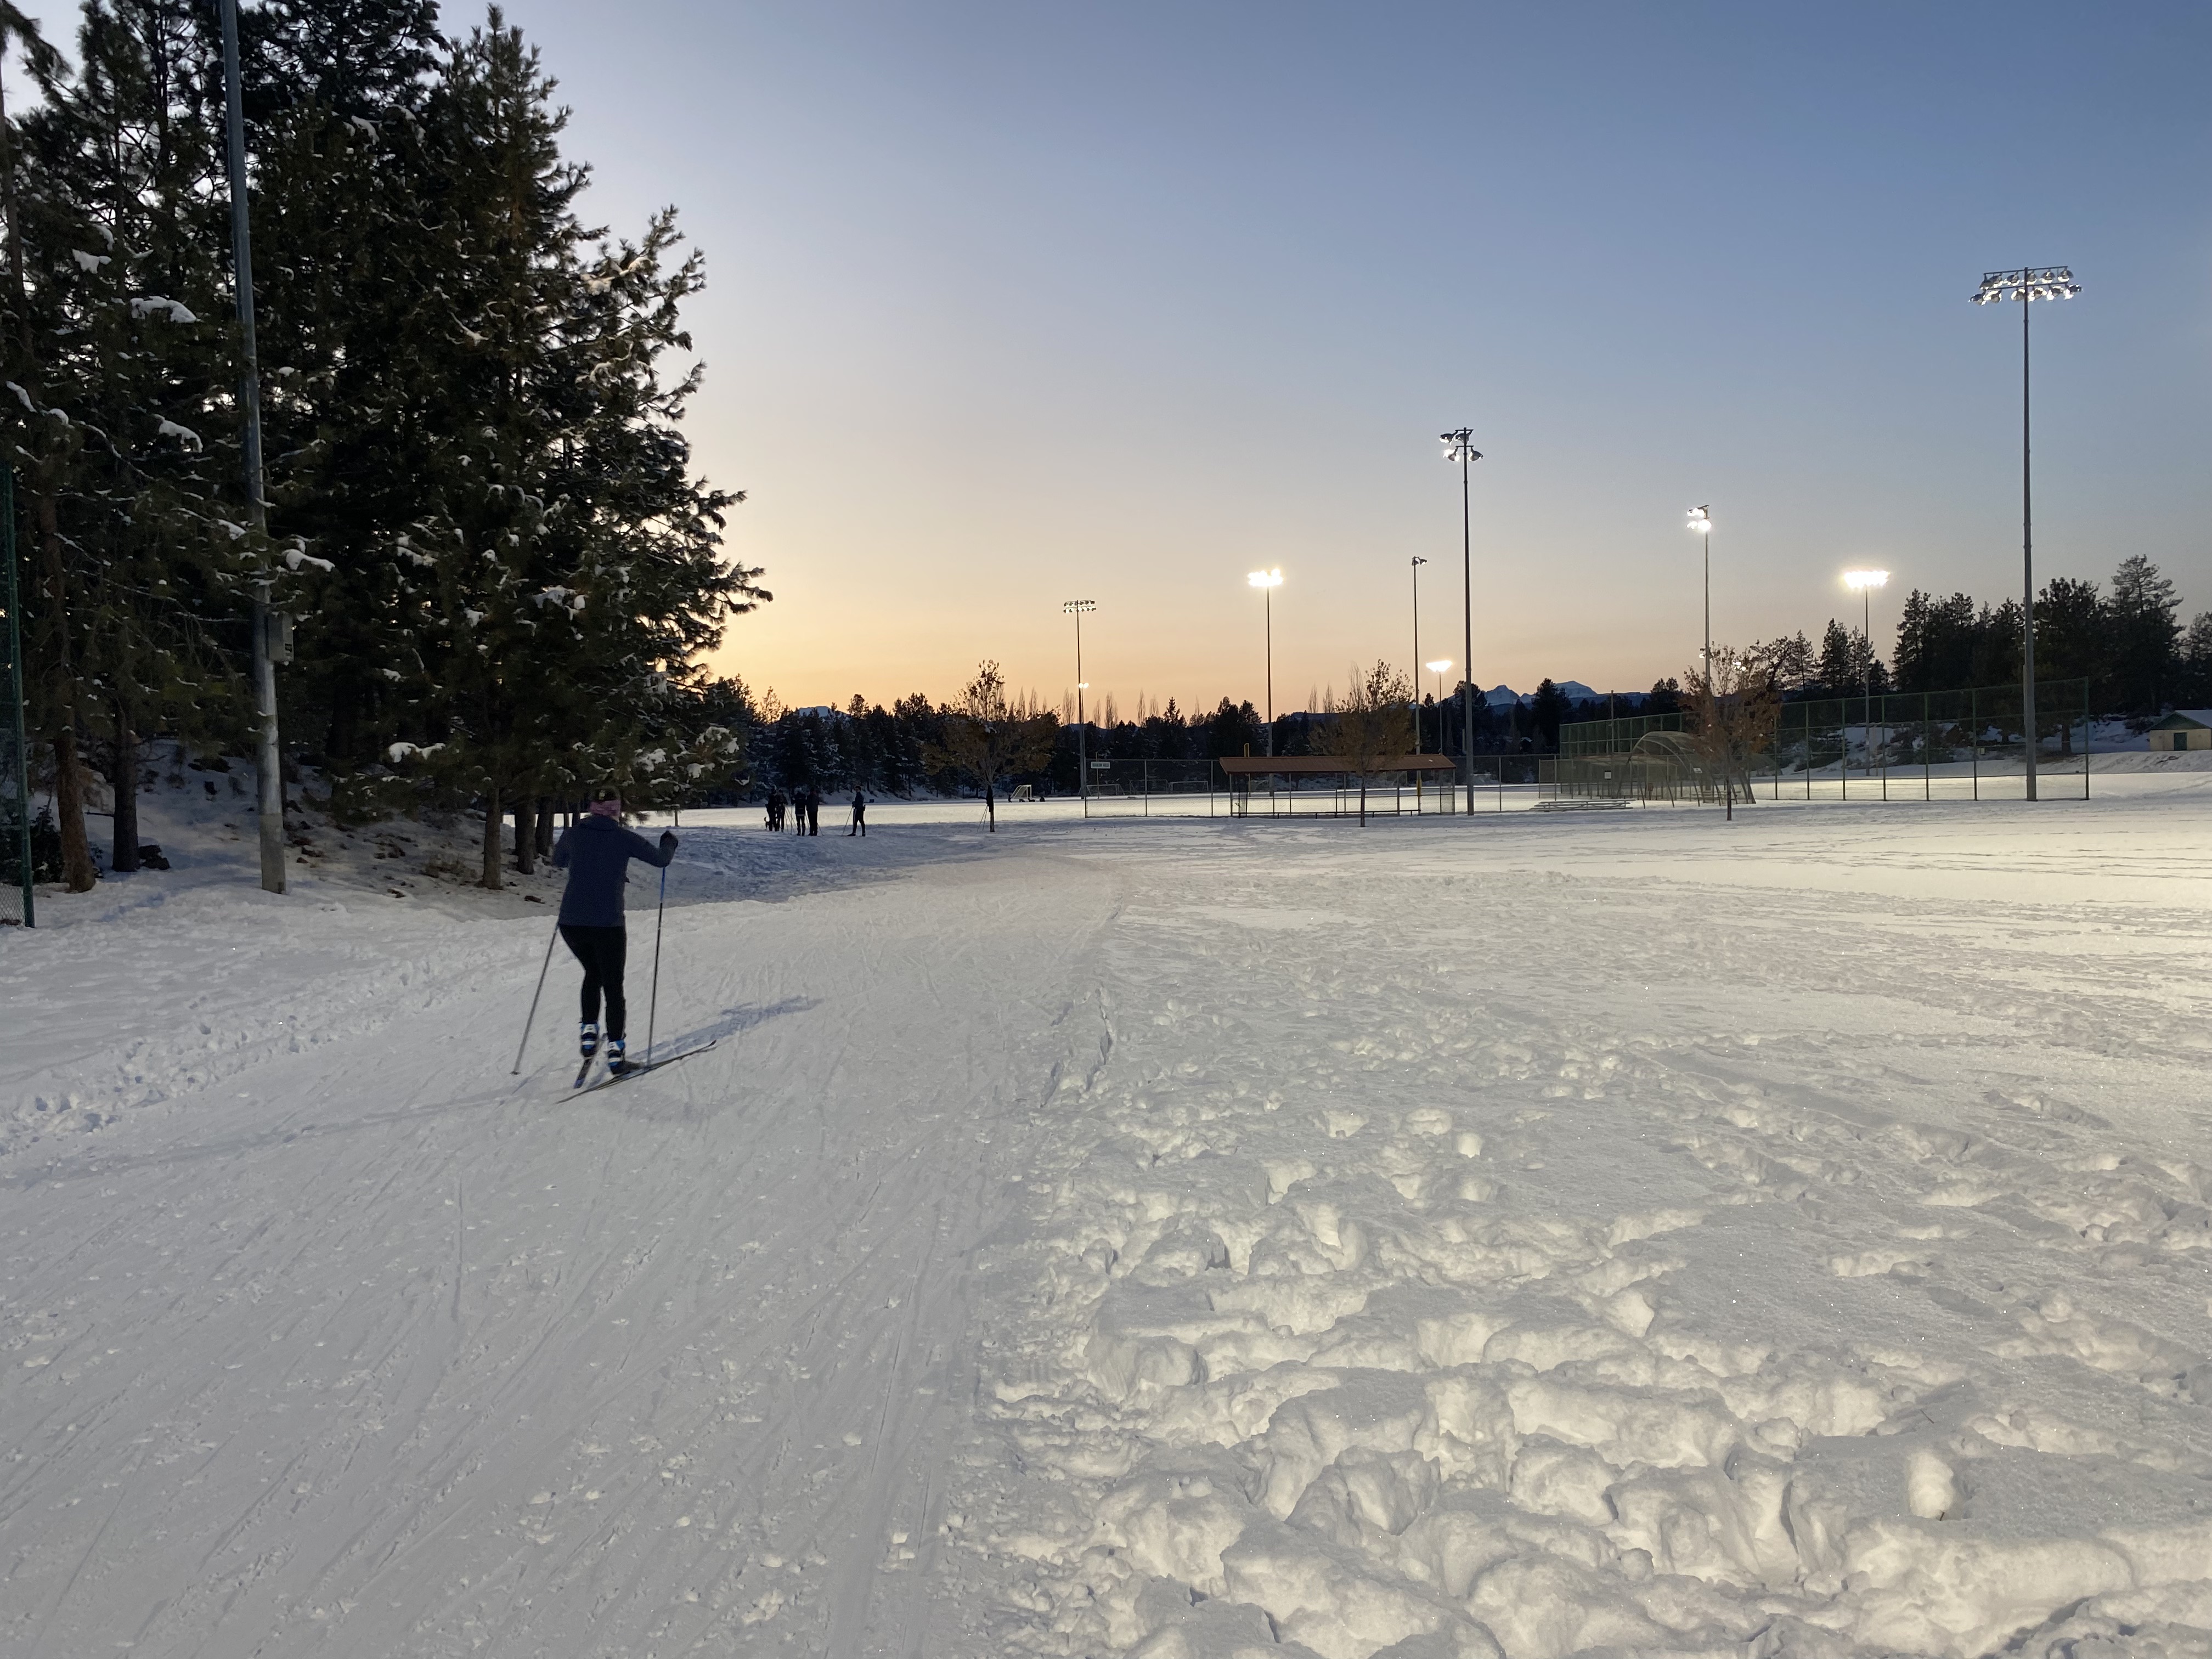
column 43, row 443
column 2073, row 631
column 2143, row 634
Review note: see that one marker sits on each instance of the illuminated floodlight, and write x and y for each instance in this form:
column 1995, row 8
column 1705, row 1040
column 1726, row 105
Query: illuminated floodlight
column 2027, row 283
column 1701, row 520
column 1441, row 665
column 1265, row 577
column 1859, row 581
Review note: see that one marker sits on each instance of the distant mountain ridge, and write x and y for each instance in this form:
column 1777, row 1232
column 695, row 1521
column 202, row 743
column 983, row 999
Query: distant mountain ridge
column 1505, row 696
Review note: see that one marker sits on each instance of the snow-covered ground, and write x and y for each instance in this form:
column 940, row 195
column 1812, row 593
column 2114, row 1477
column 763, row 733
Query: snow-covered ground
column 1621, row 1233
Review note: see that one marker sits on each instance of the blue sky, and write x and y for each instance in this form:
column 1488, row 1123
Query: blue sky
column 1015, row 303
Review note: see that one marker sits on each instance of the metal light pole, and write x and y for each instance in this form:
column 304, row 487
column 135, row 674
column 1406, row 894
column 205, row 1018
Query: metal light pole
column 1863, row 583
column 2024, row 286
column 268, row 755
column 1268, row 581
column 1075, row 608
column 1417, row 563
column 1701, row 522
column 1438, row 668
column 1459, row 445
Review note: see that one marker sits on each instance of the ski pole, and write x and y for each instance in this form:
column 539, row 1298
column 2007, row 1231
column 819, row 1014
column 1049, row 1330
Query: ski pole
column 653, row 1003
column 534, row 995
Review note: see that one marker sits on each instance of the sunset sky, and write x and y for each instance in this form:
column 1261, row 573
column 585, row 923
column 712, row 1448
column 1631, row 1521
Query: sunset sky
column 1013, row 303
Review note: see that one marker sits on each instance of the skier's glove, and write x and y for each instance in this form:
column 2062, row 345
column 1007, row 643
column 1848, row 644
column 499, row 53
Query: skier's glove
column 667, row 840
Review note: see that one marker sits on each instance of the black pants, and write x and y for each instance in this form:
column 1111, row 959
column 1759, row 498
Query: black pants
column 601, row 951
column 860, row 826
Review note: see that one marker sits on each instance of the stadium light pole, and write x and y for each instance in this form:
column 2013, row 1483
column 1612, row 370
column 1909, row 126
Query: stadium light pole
column 2023, row 287
column 1459, row 445
column 1268, row 581
column 1863, row 583
column 1417, row 563
column 1076, row 608
column 1438, row 668
column 1701, row 522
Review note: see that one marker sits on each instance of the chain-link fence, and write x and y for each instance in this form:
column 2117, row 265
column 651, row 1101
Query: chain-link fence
column 1955, row 745
column 1200, row 788
column 16, row 870
column 1929, row 746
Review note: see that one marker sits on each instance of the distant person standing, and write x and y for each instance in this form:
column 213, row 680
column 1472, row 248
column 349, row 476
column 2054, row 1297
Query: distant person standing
column 859, row 817
column 813, row 811
column 596, row 851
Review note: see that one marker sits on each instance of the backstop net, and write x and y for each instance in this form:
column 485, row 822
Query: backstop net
column 1931, row 746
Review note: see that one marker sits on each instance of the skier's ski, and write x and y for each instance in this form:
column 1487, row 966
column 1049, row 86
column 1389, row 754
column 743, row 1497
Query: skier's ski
column 629, row 1071
column 583, row 1070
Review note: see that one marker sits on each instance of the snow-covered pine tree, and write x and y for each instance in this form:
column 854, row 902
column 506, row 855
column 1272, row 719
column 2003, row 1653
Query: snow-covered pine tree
column 42, row 443
column 576, row 562
column 123, row 157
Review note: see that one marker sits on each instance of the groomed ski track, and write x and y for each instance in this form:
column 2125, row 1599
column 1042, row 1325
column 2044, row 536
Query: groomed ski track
column 396, row 1354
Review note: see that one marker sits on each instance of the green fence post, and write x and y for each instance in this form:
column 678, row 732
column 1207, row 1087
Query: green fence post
column 2086, row 739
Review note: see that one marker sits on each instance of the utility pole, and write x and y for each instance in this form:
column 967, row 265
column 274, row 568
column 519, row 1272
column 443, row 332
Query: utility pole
column 268, row 755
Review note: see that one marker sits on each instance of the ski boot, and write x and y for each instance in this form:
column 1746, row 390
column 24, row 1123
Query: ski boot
column 617, row 1062
column 587, row 1038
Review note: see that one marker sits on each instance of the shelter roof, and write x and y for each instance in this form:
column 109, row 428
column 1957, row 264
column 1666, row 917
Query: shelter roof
column 1310, row 765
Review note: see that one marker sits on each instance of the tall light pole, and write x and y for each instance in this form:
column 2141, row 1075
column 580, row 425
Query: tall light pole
column 1459, row 445
column 1701, row 522
column 267, row 753
column 1417, row 563
column 1075, row 608
column 1863, row 583
column 1438, row 668
column 1268, row 581
column 2024, row 286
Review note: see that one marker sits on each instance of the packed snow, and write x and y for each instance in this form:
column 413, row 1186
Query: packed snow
column 1537, row 1235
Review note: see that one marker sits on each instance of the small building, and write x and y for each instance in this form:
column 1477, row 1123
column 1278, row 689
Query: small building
column 2185, row 729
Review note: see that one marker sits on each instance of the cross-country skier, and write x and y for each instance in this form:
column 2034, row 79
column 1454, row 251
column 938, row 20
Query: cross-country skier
column 860, row 816
column 596, row 851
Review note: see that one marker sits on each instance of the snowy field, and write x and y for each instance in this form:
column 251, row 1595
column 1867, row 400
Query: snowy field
column 1552, row 1233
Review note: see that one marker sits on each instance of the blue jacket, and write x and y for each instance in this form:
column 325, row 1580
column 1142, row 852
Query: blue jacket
column 596, row 852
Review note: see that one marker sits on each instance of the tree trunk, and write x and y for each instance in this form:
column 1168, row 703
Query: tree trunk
column 526, row 836
column 494, row 823
column 123, row 774
column 79, row 875
column 545, row 826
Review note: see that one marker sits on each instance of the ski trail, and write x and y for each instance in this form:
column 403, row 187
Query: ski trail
column 441, row 1366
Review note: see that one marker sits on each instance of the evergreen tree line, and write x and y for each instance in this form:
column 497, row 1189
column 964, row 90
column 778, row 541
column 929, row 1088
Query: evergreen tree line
column 2127, row 643
column 482, row 507
column 911, row 748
